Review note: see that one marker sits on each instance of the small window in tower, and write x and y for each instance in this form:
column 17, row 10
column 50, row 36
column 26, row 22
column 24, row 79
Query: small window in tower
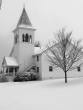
column 37, row 69
column 23, row 38
column 50, row 68
column 30, row 39
column 27, row 38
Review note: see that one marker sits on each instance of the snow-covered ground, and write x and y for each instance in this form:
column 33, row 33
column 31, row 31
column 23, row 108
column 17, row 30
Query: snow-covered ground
column 42, row 95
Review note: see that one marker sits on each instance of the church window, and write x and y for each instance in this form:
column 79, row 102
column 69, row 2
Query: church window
column 11, row 70
column 30, row 39
column 37, row 58
column 37, row 69
column 23, row 37
column 50, row 68
column 78, row 69
column 27, row 38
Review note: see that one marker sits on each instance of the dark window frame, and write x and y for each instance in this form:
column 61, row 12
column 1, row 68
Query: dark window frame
column 11, row 69
column 37, row 58
column 37, row 69
column 30, row 38
column 78, row 69
column 27, row 38
column 23, row 37
column 50, row 68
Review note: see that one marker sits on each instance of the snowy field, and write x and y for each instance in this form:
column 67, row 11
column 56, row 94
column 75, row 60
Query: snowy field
column 42, row 95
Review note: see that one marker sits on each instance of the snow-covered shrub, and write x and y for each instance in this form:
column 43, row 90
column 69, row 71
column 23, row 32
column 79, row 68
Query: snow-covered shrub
column 3, row 78
column 21, row 78
column 27, row 76
column 33, row 76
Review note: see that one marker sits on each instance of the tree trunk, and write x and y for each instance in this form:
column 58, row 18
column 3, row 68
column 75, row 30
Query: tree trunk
column 65, row 77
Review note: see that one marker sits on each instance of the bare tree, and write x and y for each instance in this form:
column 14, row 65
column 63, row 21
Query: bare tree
column 64, row 53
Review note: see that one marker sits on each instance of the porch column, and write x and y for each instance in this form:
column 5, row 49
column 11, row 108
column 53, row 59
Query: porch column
column 8, row 71
column 3, row 69
column 13, row 72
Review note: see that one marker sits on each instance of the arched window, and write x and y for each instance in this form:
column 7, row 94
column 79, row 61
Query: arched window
column 50, row 68
column 27, row 38
column 78, row 69
column 23, row 38
column 30, row 39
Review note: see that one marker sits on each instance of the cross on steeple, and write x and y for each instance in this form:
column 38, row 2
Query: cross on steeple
column 24, row 5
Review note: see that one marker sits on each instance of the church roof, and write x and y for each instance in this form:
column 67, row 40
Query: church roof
column 26, row 27
column 24, row 19
column 37, row 50
column 10, row 61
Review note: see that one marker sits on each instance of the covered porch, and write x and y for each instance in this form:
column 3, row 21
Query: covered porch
column 10, row 66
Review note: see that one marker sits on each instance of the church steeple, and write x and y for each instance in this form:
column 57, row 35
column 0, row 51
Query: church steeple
column 23, row 49
column 24, row 19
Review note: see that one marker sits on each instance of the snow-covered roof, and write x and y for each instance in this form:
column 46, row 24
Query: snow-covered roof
column 24, row 19
column 38, row 50
column 10, row 61
column 26, row 26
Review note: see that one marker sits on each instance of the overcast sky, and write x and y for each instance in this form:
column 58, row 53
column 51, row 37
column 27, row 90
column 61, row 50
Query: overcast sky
column 46, row 15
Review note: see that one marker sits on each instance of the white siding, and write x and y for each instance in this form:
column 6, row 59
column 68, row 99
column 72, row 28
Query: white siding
column 23, row 51
column 15, row 52
column 57, row 72
column 38, row 64
column 26, row 50
column 25, row 55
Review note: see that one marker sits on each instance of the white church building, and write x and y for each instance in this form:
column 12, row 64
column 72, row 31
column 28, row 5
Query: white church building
column 24, row 56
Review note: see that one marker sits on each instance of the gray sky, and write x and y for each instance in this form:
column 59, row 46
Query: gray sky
column 46, row 15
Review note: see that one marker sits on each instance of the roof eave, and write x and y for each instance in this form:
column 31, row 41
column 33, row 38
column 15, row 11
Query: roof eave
column 29, row 28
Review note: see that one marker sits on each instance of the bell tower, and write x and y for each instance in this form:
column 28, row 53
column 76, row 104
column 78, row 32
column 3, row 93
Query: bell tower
column 23, row 48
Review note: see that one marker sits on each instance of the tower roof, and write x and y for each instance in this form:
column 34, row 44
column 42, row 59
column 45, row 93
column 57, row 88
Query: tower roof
column 24, row 19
